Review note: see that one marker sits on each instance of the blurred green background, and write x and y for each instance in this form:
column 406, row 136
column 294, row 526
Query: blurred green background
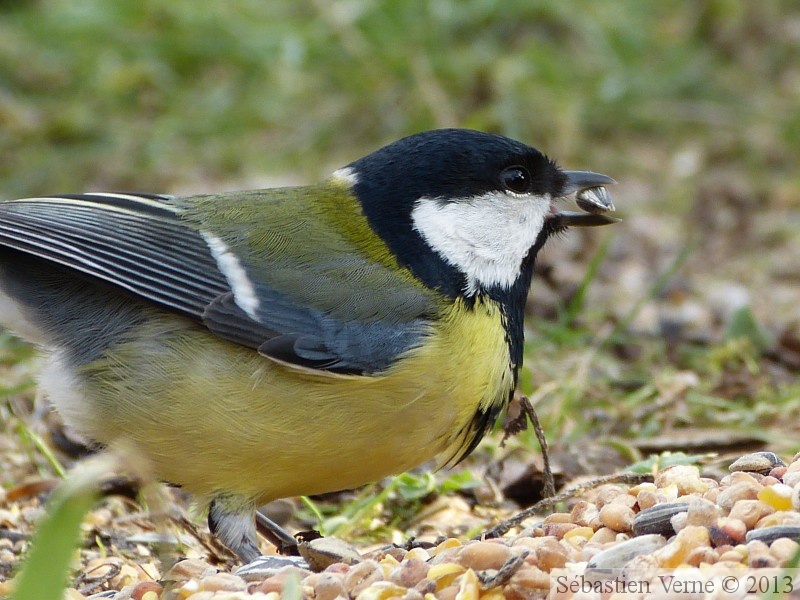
column 178, row 94
column 675, row 330
column 693, row 106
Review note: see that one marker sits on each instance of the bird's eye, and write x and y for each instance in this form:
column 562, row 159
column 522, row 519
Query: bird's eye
column 516, row 179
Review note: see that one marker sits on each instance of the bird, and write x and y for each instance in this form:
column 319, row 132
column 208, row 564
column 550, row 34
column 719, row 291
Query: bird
column 255, row 345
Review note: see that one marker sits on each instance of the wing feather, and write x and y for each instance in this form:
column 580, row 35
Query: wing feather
column 323, row 302
column 149, row 253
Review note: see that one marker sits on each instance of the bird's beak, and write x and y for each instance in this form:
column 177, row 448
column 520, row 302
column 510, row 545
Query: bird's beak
column 591, row 195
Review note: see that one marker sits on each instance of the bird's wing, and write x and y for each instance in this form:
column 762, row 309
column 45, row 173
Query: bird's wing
column 296, row 286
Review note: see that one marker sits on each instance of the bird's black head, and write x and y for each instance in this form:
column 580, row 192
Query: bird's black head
column 466, row 211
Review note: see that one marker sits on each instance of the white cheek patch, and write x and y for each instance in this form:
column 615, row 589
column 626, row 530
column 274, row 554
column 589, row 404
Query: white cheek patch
column 244, row 294
column 485, row 237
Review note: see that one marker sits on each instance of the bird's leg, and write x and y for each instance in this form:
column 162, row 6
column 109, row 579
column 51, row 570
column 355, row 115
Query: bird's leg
column 277, row 535
column 232, row 519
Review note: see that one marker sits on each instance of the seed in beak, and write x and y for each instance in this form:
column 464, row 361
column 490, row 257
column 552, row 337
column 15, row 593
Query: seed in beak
column 595, row 200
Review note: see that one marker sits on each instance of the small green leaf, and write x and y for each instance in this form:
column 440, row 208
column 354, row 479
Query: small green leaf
column 577, row 304
column 463, row 480
column 657, row 462
column 414, row 486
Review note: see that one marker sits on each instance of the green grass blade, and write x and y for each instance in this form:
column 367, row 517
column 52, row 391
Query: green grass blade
column 578, row 300
column 47, row 565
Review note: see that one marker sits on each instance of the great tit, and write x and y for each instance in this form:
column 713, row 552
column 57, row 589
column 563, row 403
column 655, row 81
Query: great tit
column 260, row 344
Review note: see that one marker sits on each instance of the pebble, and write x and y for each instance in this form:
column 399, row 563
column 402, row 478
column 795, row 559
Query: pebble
column 447, row 593
column 727, row 531
column 702, row 555
column 685, row 477
column 322, row 552
column 551, row 555
column 628, row 500
column 381, row 590
column 447, row 544
column 763, row 561
column 778, row 473
column 645, row 486
column 758, row 555
column 190, row 568
column 530, row 543
column 784, row 549
column 739, row 477
column 750, row 518
column 425, row 587
column 678, row 550
column 744, row 490
column 484, row 555
column 409, row 573
column 679, row 522
column 791, row 478
column 418, row 553
column 781, row 517
column 702, row 512
column 579, row 536
column 444, row 574
column 750, row 511
column 731, row 556
column 329, row 587
column 224, row 582
column 145, row 587
column 558, row 530
column 712, row 495
column 584, row 513
column 559, row 517
column 646, row 499
column 470, row 587
column 361, row 576
column 617, row 516
column 527, row 579
column 668, row 494
column 606, row 493
column 275, row 583
column 604, row 535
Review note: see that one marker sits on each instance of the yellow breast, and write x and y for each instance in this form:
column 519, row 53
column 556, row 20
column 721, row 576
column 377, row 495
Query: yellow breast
column 243, row 423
